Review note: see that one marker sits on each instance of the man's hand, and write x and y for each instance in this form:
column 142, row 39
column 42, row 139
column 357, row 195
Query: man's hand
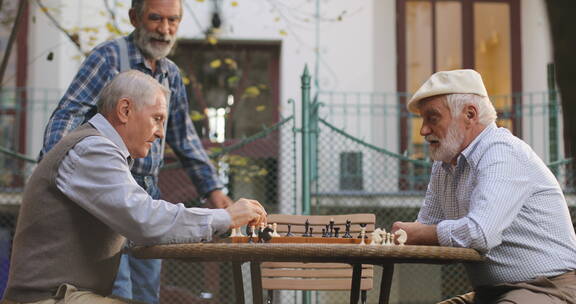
column 418, row 234
column 246, row 212
column 218, row 200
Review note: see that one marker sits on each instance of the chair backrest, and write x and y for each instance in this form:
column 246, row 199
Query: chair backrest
column 316, row 276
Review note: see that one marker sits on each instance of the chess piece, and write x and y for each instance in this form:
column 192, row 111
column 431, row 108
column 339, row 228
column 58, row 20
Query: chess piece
column 324, row 232
column 250, row 233
column 233, row 232
column 253, row 231
column 402, row 236
column 306, row 226
column 361, row 226
column 265, row 235
column 239, row 232
column 363, row 235
column 376, row 238
column 347, row 234
column 331, row 231
column 336, row 229
column 275, row 230
column 392, row 237
column 289, row 233
column 310, row 234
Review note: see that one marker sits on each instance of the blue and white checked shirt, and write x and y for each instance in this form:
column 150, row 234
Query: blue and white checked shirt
column 78, row 105
column 503, row 201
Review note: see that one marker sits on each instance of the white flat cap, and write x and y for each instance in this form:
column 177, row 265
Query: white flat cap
column 448, row 82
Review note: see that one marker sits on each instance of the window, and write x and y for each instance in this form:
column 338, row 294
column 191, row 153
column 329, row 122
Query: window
column 351, row 171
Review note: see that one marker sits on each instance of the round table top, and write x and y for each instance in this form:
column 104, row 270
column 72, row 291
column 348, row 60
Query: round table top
column 343, row 253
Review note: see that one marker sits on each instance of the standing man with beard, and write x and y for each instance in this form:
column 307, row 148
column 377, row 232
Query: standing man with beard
column 156, row 24
column 490, row 191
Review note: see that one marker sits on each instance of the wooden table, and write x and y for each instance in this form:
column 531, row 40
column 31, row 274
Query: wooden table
column 356, row 255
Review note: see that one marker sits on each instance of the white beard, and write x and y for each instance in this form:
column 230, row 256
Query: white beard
column 449, row 146
column 142, row 40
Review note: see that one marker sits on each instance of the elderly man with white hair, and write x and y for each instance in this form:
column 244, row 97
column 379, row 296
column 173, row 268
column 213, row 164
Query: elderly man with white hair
column 490, row 191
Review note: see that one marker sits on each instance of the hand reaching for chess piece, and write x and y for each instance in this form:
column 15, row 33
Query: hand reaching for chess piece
column 245, row 211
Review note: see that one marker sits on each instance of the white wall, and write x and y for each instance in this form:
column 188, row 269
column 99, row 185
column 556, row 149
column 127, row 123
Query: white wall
column 536, row 54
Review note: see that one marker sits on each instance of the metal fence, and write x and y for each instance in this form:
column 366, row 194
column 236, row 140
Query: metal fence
column 356, row 164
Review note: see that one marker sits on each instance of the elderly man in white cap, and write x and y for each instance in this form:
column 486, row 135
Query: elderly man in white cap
column 489, row 191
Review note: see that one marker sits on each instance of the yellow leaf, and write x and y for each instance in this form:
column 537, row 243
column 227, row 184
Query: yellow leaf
column 196, row 116
column 112, row 29
column 216, row 63
column 260, row 108
column 119, row 4
column 234, row 3
column 231, row 63
column 263, row 172
column 283, row 33
column 262, row 86
column 77, row 57
column 233, row 80
column 200, row 1
column 277, row 19
column 186, row 80
column 251, row 92
column 102, row 13
column 44, row 9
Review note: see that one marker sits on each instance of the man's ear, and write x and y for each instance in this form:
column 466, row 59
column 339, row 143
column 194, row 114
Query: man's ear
column 471, row 114
column 123, row 108
column 134, row 20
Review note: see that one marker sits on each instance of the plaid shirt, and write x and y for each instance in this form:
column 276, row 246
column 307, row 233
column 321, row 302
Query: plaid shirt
column 78, row 105
column 503, row 201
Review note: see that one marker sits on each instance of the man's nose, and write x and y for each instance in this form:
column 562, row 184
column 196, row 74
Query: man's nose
column 425, row 130
column 164, row 27
column 160, row 131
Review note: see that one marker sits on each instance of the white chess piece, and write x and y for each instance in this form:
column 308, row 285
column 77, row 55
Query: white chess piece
column 402, row 236
column 383, row 236
column 275, row 227
column 253, row 228
column 233, row 233
column 376, row 239
column 363, row 235
column 239, row 232
column 392, row 237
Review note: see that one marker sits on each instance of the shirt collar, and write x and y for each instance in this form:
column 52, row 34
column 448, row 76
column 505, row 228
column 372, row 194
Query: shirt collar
column 137, row 57
column 467, row 154
column 105, row 128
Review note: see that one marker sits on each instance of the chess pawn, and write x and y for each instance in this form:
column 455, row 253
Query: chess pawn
column 336, row 230
column 331, row 231
column 233, row 232
column 402, row 236
column 275, row 230
column 239, row 232
column 324, row 233
column 253, row 231
column 392, row 237
column 289, row 233
column 363, row 236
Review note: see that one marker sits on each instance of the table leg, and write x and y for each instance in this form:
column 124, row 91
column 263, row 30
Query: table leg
column 256, row 275
column 238, row 282
column 386, row 283
column 356, row 278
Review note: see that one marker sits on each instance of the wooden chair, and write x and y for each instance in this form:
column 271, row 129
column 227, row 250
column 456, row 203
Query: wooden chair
column 316, row 276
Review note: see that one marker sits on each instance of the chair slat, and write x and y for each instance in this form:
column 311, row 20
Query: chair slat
column 313, row 284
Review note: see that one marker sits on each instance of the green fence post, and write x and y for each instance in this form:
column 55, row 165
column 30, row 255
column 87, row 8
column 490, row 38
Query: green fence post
column 306, row 141
column 553, row 117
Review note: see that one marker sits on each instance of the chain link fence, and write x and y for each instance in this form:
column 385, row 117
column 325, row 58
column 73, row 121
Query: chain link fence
column 352, row 173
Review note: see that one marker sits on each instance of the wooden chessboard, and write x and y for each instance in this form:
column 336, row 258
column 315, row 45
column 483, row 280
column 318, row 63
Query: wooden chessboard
column 298, row 240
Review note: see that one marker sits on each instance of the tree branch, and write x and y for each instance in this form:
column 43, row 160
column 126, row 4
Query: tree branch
column 12, row 38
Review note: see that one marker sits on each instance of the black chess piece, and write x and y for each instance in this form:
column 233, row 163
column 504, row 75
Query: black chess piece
column 363, row 226
column 289, row 233
column 347, row 234
column 331, row 233
column 249, row 234
column 310, row 234
column 336, row 229
column 265, row 235
column 306, row 226
column 324, row 232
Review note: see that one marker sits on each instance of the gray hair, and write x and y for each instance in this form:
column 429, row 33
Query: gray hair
column 486, row 112
column 134, row 85
column 139, row 6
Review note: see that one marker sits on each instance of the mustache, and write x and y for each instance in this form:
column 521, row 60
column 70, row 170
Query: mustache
column 430, row 138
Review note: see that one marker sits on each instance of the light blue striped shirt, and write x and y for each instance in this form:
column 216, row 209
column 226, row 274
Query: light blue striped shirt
column 503, row 201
